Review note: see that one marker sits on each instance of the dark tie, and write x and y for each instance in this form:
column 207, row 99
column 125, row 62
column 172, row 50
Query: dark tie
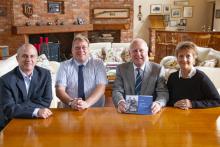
column 81, row 83
column 138, row 82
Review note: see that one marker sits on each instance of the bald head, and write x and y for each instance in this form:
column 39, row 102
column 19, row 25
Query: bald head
column 27, row 58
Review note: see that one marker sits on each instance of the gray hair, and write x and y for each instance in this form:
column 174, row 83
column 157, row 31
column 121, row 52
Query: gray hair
column 138, row 41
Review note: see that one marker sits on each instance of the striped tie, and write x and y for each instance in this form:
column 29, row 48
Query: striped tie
column 138, row 82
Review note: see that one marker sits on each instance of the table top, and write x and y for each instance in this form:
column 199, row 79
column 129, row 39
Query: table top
column 105, row 127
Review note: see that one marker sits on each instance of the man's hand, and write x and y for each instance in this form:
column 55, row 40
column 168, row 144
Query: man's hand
column 79, row 104
column 155, row 108
column 183, row 104
column 44, row 113
column 122, row 107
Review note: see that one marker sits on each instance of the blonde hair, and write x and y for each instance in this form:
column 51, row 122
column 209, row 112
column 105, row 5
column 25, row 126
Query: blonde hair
column 80, row 37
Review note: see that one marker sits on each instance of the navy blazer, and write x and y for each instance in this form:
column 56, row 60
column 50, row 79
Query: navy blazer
column 15, row 101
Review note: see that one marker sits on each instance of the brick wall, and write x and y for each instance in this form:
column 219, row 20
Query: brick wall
column 72, row 10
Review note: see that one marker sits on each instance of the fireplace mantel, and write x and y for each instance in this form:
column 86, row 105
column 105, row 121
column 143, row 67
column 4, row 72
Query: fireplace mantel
column 25, row 30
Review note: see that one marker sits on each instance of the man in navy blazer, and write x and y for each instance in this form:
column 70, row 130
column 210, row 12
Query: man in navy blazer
column 26, row 91
column 151, row 74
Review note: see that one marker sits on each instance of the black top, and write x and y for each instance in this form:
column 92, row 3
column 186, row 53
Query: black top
column 199, row 90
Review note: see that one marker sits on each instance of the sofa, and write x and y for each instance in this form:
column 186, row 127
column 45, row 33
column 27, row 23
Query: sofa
column 208, row 61
column 111, row 53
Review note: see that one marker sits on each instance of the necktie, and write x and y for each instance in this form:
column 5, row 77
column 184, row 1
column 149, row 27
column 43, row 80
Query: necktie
column 81, row 83
column 138, row 83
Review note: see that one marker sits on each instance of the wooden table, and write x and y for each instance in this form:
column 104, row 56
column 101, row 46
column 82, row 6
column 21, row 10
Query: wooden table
column 105, row 127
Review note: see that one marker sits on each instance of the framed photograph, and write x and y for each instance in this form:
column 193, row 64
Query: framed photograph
column 156, row 9
column 173, row 23
column 217, row 13
column 3, row 11
column 183, row 22
column 181, row 3
column 55, row 6
column 111, row 13
column 176, row 12
column 187, row 11
column 166, row 9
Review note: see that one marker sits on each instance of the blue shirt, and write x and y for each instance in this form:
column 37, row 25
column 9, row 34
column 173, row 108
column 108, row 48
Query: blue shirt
column 94, row 73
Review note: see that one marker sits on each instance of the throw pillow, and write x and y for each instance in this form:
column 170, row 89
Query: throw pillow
column 213, row 54
column 169, row 62
column 42, row 61
column 202, row 53
column 209, row 63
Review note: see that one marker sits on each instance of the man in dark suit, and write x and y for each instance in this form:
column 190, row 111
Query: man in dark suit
column 26, row 91
column 151, row 78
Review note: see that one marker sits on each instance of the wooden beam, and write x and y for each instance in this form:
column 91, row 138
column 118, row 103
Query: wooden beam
column 51, row 29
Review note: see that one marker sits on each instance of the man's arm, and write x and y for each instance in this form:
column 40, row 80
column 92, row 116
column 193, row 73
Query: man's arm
column 62, row 95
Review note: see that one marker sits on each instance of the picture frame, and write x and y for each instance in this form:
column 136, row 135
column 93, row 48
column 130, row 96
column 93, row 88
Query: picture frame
column 156, row 9
column 188, row 11
column 166, row 9
column 55, row 6
column 183, row 22
column 111, row 13
column 176, row 12
column 217, row 13
column 181, row 3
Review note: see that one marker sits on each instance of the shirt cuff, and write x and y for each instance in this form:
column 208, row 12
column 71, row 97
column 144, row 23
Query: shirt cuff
column 35, row 112
column 120, row 101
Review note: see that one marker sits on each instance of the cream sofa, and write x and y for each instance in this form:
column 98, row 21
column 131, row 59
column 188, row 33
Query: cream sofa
column 208, row 61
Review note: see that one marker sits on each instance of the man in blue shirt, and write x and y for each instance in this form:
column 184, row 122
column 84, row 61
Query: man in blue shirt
column 81, row 80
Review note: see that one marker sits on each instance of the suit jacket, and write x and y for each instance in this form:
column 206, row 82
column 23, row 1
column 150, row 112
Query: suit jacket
column 153, row 82
column 13, row 95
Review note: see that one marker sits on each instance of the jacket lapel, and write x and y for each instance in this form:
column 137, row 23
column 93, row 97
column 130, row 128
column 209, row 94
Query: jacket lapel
column 33, row 83
column 130, row 77
column 146, row 78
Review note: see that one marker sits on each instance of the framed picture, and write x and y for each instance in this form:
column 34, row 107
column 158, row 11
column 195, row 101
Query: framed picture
column 156, row 9
column 111, row 13
column 166, row 9
column 55, row 6
column 183, row 22
column 176, row 12
column 187, row 11
column 217, row 13
column 181, row 3
column 173, row 23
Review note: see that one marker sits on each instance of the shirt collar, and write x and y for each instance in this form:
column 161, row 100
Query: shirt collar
column 191, row 73
column 78, row 64
column 24, row 75
column 142, row 67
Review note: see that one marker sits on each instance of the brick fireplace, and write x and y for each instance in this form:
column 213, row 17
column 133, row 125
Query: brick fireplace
column 14, row 30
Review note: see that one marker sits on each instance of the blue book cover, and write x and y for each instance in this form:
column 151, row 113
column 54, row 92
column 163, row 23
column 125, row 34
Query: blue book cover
column 139, row 104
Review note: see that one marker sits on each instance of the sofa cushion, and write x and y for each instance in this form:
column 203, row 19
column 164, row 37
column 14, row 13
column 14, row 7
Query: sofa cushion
column 98, row 50
column 209, row 63
column 213, row 54
column 169, row 62
column 8, row 64
column 202, row 53
column 213, row 74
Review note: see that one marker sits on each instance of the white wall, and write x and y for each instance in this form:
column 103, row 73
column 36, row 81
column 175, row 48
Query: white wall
column 200, row 16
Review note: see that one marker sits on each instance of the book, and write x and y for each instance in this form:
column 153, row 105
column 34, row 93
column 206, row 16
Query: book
column 139, row 104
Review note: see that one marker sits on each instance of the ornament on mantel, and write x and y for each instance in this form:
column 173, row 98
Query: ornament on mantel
column 139, row 13
column 27, row 9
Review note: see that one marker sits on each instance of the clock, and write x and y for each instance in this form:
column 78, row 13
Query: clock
column 111, row 13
